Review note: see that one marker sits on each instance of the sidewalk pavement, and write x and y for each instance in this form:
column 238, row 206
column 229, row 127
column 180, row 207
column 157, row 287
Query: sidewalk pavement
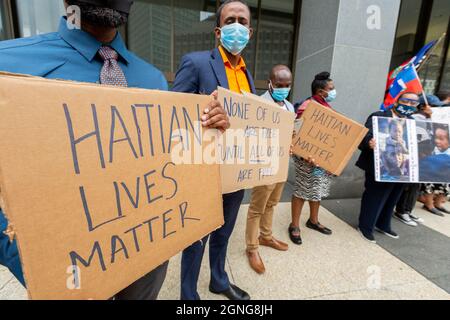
column 341, row 266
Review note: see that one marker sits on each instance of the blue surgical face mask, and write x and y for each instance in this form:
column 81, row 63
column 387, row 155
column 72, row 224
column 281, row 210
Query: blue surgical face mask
column 279, row 94
column 234, row 37
column 331, row 96
column 405, row 110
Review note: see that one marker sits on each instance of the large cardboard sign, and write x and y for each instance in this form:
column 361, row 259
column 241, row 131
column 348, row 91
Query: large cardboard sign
column 409, row 151
column 328, row 137
column 90, row 187
column 255, row 150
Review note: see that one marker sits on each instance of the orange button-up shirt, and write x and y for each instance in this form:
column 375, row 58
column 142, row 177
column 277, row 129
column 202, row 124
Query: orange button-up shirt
column 237, row 78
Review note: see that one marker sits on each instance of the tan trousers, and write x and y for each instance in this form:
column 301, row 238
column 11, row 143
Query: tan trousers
column 260, row 213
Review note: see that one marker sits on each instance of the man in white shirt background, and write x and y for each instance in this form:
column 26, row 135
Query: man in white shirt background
column 279, row 87
column 265, row 198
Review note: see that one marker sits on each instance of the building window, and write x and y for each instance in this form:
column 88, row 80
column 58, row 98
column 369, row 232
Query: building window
column 2, row 21
column 404, row 46
column 162, row 32
column 445, row 80
column 38, row 16
column 420, row 22
column 5, row 21
column 275, row 36
column 439, row 21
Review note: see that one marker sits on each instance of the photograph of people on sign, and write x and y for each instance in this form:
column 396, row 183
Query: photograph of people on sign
column 394, row 154
column 409, row 151
column 434, row 153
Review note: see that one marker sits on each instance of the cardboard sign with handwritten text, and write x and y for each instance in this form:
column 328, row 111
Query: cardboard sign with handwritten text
column 89, row 185
column 328, row 137
column 255, row 150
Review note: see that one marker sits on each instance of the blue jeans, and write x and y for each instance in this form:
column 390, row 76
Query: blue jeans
column 9, row 254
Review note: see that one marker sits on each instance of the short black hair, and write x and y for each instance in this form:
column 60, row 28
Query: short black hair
column 321, row 81
column 277, row 68
column 100, row 16
column 226, row 2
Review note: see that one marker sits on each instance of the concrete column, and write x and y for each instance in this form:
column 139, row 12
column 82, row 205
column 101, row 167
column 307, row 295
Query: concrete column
column 353, row 40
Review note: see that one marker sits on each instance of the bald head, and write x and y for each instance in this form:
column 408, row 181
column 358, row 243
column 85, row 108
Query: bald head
column 281, row 76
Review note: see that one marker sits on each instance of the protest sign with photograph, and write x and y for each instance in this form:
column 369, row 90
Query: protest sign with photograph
column 328, row 137
column 90, row 187
column 409, row 151
column 255, row 150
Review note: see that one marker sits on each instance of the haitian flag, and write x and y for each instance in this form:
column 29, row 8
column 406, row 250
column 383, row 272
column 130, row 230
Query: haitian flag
column 406, row 80
column 416, row 60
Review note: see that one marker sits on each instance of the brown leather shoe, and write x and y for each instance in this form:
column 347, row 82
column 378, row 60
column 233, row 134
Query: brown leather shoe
column 274, row 243
column 255, row 261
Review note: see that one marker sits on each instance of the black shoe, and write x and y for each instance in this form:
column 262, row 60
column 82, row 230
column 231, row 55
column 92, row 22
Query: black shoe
column 389, row 233
column 233, row 293
column 367, row 236
column 294, row 239
column 434, row 211
column 443, row 210
column 318, row 227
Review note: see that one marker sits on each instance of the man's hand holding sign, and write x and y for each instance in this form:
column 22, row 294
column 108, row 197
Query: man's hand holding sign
column 215, row 117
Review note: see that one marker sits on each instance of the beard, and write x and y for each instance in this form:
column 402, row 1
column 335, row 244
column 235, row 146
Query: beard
column 100, row 16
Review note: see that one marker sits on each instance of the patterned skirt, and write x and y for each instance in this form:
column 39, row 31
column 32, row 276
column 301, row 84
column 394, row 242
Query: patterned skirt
column 437, row 189
column 311, row 183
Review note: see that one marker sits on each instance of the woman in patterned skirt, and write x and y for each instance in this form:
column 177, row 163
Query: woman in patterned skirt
column 312, row 183
column 434, row 196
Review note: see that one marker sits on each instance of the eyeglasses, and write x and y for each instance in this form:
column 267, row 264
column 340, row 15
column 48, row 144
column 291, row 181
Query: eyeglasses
column 409, row 102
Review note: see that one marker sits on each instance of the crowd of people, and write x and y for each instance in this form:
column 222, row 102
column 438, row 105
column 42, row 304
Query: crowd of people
column 97, row 53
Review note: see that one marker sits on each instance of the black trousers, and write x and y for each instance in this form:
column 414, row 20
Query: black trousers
column 191, row 260
column 408, row 199
column 377, row 204
column 147, row 287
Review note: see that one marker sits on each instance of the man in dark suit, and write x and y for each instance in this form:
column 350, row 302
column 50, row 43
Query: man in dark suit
column 380, row 198
column 202, row 73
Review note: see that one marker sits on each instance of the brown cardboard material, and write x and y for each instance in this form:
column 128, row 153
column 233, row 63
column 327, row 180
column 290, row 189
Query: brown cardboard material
column 263, row 132
column 328, row 137
column 116, row 195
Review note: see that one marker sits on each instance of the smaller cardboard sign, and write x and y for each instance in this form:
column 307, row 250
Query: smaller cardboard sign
column 255, row 150
column 328, row 137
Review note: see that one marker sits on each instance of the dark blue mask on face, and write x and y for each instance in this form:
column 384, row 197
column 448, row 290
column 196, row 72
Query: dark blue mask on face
column 404, row 110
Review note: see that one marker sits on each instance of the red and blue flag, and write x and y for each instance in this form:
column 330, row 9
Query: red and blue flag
column 406, row 80
column 416, row 61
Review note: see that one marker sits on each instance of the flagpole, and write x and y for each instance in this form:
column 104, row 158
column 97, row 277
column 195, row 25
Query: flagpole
column 428, row 56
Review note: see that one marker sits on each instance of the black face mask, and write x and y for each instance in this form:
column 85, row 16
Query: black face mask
column 123, row 6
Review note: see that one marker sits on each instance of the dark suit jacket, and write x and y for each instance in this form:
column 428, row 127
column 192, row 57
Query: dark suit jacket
column 202, row 72
column 366, row 159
